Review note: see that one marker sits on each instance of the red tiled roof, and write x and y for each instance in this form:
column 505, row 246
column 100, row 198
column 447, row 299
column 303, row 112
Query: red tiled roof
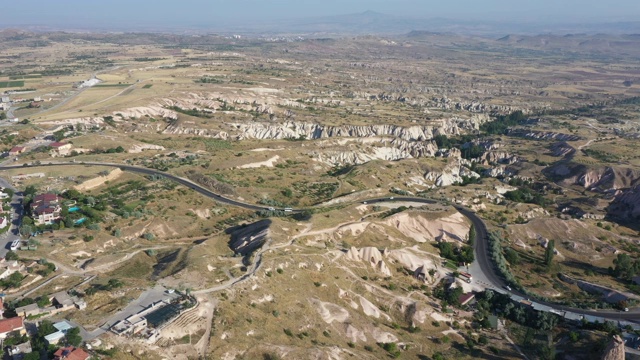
column 16, row 149
column 465, row 298
column 71, row 353
column 57, row 144
column 12, row 324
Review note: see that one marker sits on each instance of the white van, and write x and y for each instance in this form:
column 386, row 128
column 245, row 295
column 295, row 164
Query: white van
column 288, row 209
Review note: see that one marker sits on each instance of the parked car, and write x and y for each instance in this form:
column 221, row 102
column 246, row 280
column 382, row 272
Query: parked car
column 15, row 245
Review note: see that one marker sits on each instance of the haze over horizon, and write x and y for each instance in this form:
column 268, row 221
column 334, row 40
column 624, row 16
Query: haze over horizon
column 217, row 15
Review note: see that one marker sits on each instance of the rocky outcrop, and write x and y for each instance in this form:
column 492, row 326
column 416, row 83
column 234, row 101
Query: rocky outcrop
column 626, row 205
column 312, row 131
column 602, row 179
column 562, row 149
column 246, row 239
column 499, row 171
column 615, row 349
column 542, row 135
column 534, row 213
column 451, row 174
column 371, row 255
column 179, row 129
column 360, row 151
column 499, row 157
column 135, row 149
column 153, row 111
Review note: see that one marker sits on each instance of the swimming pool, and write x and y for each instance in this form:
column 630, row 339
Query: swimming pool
column 80, row 221
column 74, row 209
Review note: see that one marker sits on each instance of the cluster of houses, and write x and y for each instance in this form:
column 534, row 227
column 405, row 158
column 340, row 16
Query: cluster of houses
column 57, row 149
column 60, row 302
column 16, row 325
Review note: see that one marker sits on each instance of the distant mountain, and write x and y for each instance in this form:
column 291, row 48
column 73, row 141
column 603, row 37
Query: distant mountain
column 371, row 22
column 598, row 43
column 365, row 23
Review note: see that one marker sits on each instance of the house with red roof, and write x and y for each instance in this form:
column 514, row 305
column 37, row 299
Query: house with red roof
column 60, row 148
column 45, row 208
column 10, row 325
column 16, row 150
column 70, row 353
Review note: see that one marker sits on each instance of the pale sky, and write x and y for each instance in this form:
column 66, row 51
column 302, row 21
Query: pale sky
column 200, row 13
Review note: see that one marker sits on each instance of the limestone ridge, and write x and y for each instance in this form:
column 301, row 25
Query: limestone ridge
column 313, row 131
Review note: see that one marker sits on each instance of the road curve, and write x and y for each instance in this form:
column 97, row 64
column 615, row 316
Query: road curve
column 481, row 242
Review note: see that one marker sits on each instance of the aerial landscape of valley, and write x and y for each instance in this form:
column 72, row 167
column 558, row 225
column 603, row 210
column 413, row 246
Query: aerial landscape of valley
column 341, row 187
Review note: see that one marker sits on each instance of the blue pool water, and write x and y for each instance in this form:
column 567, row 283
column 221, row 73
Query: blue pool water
column 80, row 221
column 74, row 209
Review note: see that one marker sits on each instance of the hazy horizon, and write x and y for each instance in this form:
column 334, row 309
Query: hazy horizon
column 216, row 15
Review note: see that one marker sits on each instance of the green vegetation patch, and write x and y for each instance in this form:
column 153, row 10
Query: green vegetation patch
column 10, row 84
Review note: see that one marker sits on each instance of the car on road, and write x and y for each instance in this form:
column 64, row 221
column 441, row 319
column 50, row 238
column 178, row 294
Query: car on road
column 391, row 198
column 288, row 209
column 364, row 202
column 626, row 309
column 507, row 287
column 272, row 209
column 15, row 245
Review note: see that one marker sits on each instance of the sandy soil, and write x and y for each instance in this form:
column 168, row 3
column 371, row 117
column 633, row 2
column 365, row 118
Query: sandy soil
column 267, row 163
column 99, row 181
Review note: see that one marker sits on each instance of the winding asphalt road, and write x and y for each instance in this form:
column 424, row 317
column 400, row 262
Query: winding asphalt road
column 481, row 244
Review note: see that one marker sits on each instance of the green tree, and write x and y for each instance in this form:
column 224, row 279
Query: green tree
column 287, row 192
column 13, row 281
column 32, row 356
column 115, row 283
column 625, row 267
column 30, row 190
column 512, row 256
column 11, row 255
column 549, row 252
column 43, row 301
column 58, row 135
column 73, row 337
